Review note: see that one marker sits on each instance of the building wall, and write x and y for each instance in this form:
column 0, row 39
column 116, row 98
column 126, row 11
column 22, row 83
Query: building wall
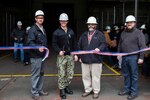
column 80, row 6
column 13, row 10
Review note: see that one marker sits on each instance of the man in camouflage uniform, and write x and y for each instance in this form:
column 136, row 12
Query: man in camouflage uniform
column 63, row 43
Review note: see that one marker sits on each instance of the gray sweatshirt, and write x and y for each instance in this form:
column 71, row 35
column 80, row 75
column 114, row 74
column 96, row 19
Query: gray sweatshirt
column 132, row 40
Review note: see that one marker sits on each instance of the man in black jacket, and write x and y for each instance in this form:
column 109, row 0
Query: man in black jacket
column 63, row 43
column 26, row 52
column 37, row 37
column 18, row 35
column 131, row 40
column 91, row 64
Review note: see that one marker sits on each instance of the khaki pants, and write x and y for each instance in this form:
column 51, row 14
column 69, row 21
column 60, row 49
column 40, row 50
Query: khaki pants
column 91, row 76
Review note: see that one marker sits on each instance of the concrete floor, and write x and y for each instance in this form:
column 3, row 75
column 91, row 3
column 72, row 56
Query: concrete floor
column 18, row 88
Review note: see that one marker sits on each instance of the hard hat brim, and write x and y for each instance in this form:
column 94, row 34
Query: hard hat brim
column 92, row 23
column 130, row 21
column 39, row 15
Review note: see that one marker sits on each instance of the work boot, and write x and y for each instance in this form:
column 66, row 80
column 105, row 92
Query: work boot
column 42, row 93
column 62, row 94
column 15, row 60
column 122, row 93
column 95, row 95
column 26, row 63
column 131, row 97
column 37, row 98
column 85, row 94
column 68, row 91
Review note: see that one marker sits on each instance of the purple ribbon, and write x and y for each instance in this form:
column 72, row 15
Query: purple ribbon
column 109, row 53
column 27, row 48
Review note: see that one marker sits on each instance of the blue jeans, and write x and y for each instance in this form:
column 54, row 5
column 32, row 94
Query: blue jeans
column 109, row 58
column 26, row 56
column 130, row 73
column 16, row 51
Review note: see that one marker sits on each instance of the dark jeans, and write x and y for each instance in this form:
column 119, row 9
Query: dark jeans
column 109, row 58
column 145, row 67
column 130, row 73
column 26, row 56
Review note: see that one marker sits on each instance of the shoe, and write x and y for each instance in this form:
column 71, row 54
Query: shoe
column 36, row 98
column 42, row 93
column 131, row 97
column 68, row 91
column 114, row 66
column 122, row 93
column 62, row 94
column 95, row 95
column 118, row 69
column 85, row 94
column 15, row 60
column 26, row 63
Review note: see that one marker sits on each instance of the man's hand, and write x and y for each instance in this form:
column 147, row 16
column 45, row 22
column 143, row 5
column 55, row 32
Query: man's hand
column 97, row 50
column 61, row 53
column 113, row 43
column 15, row 38
column 75, row 58
column 140, row 61
column 80, row 60
column 118, row 57
column 41, row 49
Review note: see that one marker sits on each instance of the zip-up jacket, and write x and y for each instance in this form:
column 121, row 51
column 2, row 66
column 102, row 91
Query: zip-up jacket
column 64, row 41
column 36, row 38
column 97, row 41
column 19, row 35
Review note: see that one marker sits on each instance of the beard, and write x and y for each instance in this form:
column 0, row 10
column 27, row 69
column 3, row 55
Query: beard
column 91, row 29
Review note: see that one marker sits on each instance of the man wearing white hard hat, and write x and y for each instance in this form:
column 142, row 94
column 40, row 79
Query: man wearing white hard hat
column 131, row 40
column 107, row 32
column 144, row 30
column 37, row 37
column 145, row 66
column 91, row 64
column 63, row 43
column 26, row 52
column 18, row 38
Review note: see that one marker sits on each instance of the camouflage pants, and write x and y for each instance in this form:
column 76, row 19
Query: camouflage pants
column 65, row 66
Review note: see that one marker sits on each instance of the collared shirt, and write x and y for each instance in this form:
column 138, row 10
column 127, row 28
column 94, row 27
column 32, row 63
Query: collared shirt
column 90, row 35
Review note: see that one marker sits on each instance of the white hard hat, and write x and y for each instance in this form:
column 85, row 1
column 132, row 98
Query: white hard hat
column 116, row 28
column 143, row 26
column 130, row 18
column 63, row 17
column 107, row 28
column 28, row 28
column 19, row 23
column 39, row 13
column 91, row 20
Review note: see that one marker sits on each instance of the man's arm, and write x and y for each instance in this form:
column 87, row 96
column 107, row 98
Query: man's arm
column 54, row 43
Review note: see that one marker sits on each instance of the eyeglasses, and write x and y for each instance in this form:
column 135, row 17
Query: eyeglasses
column 91, row 24
column 39, row 17
column 63, row 21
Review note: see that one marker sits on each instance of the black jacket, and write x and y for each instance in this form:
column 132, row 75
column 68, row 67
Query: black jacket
column 36, row 38
column 63, row 41
column 19, row 34
column 97, row 41
column 132, row 40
